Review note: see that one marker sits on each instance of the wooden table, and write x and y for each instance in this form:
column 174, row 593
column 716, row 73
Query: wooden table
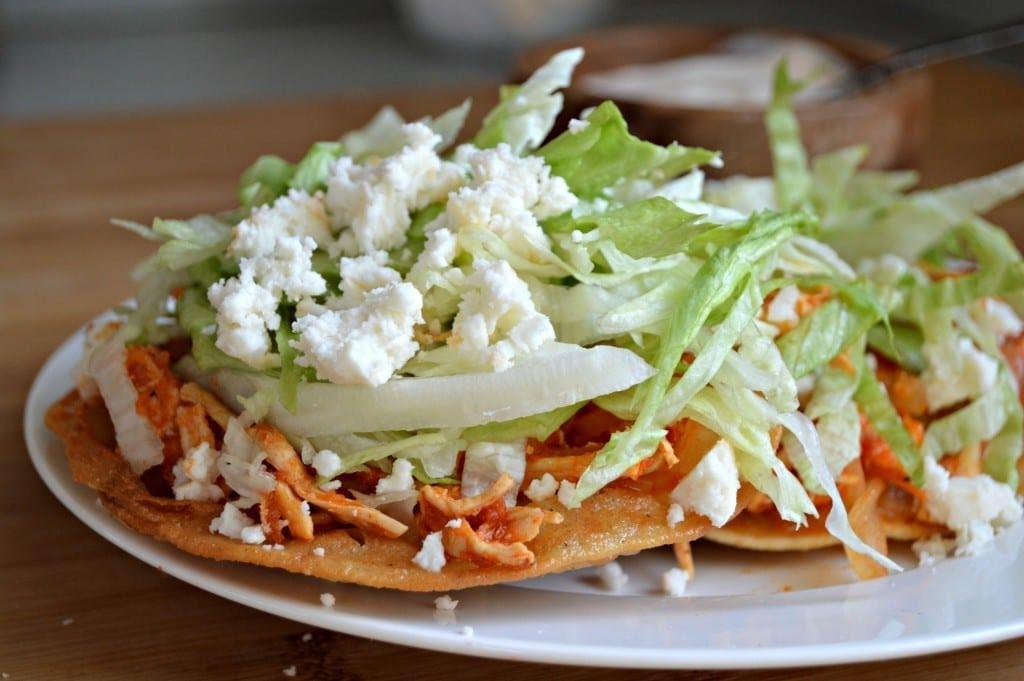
column 60, row 263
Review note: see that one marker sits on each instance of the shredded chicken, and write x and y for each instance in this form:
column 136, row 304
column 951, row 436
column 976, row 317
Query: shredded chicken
column 300, row 522
column 480, row 528
column 684, row 557
column 438, row 502
column 193, row 427
column 291, row 471
column 193, row 394
column 462, row 541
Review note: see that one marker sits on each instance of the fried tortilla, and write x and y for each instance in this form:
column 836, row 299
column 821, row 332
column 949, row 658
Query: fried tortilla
column 617, row 521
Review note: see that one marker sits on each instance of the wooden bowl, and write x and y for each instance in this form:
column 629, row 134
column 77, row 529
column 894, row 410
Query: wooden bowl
column 891, row 119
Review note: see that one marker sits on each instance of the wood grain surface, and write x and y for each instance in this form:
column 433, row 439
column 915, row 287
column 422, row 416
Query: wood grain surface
column 60, row 264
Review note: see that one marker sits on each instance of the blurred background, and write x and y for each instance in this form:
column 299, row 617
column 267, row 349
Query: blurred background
column 70, row 57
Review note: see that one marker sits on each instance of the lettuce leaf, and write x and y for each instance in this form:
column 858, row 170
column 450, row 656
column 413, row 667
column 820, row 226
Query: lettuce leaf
column 604, row 154
column 311, row 172
column 382, row 135
column 538, row 426
column 977, row 422
column 826, row 332
column 265, row 180
column 883, row 417
column 901, row 343
column 190, row 241
column 792, row 179
column 713, row 353
column 804, row 449
column 525, row 114
column 653, row 227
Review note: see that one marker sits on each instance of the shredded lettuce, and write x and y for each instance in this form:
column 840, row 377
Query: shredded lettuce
column 526, row 113
column 718, row 279
column 291, row 373
column 883, row 417
column 792, row 179
column 604, row 154
column 825, row 333
column 190, row 241
column 538, row 426
column 713, row 353
column 977, row 422
column 901, row 343
column 265, row 180
column 744, row 419
column 804, row 449
column 311, row 172
column 653, row 227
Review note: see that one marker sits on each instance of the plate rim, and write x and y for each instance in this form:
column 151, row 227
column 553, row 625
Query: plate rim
column 174, row 562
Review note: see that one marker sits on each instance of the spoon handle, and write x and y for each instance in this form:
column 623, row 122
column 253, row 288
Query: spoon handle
column 946, row 49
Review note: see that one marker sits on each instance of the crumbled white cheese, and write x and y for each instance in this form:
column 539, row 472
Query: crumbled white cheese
column 363, row 274
column 326, row 463
column 275, row 246
column 673, row 582
column 782, row 308
column 374, row 200
column 363, row 345
column 430, row 557
column 294, row 214
column 612, row 576
column 195, row 475
column 245, row 312
column 485, row 462
column 327, row 600
column 675, row 514
column 710, row 488
column 542, row 488
column 957, row 371
column 445, row 602
column 454, row 523
column 440, row 249
column 931, row 550
column 576, row 125
column 497, row 320
column 400, row 479
column 234, row 524
column 252, row 535
column 319, row 552
column 997, row 318
column 288, row 269
column 526, row 179
column 973, row 507
column 566, row 492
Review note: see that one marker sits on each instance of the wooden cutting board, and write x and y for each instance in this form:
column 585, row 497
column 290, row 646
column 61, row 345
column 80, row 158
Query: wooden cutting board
column 60, row 264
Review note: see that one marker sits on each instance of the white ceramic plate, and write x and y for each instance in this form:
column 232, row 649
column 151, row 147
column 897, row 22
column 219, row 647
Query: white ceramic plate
column 743, row 609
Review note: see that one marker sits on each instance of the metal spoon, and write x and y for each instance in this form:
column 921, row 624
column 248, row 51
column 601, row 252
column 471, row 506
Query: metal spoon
column 946, row 49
